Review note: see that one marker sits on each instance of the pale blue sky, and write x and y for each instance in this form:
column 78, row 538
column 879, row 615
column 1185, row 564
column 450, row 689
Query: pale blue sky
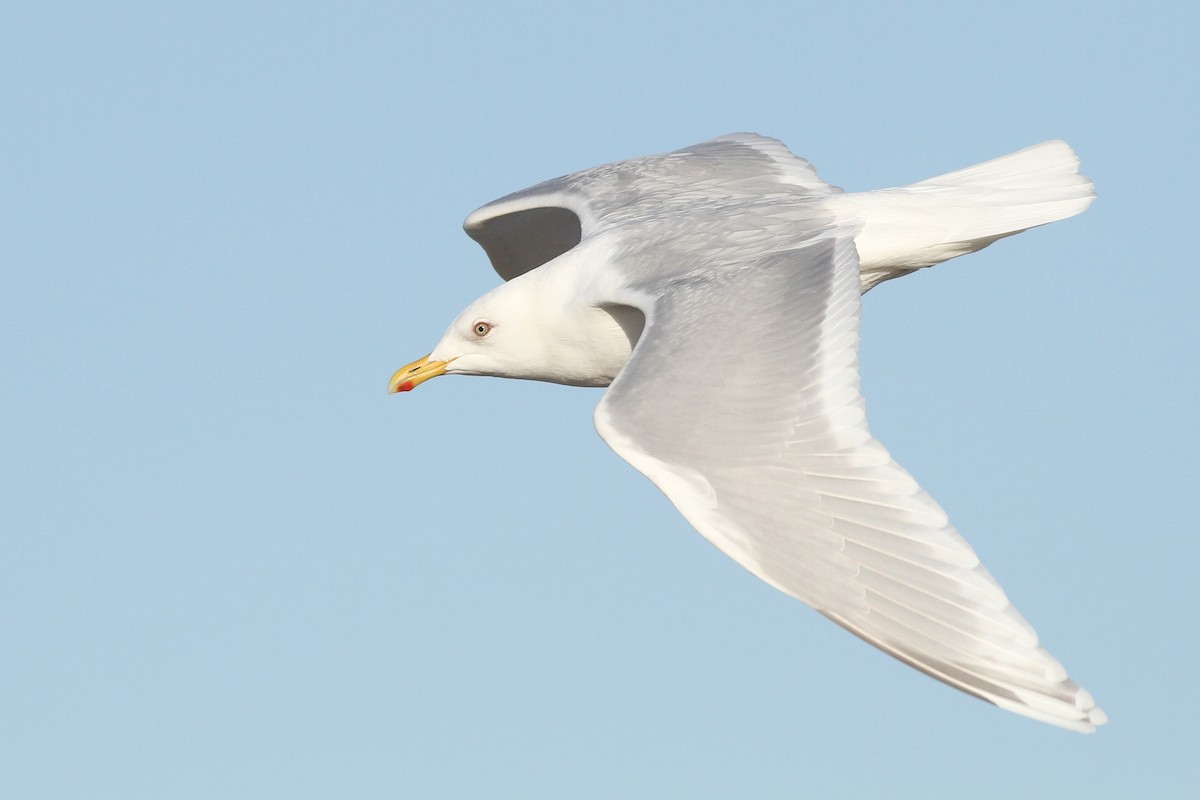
column 232, row 567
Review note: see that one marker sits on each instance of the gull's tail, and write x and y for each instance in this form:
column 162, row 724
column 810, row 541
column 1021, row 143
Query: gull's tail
column 925, row 223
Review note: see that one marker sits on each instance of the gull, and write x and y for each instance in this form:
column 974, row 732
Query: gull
column 715, row 290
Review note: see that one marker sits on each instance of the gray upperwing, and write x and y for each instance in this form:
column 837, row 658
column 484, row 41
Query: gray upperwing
column 524, row 230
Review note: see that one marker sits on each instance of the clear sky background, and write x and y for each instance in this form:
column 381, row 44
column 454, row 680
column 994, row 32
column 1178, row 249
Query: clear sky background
column 232, row 567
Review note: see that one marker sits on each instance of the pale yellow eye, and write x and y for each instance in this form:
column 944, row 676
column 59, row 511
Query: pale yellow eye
column 482, row 328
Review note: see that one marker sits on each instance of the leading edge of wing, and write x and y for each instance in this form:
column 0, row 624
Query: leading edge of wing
column 526, row 229
column 741, row 403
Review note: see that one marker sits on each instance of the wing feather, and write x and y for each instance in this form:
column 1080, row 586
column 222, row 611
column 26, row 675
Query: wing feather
column 741, row 402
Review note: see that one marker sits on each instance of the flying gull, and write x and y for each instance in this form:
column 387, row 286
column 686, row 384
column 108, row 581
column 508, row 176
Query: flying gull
column 715, row 291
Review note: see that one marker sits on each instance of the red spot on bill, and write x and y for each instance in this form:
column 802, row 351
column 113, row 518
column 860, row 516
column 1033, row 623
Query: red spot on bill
column 407, row 386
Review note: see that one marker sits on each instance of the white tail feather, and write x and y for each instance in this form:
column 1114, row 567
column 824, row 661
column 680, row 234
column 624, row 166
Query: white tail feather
column 925, row 223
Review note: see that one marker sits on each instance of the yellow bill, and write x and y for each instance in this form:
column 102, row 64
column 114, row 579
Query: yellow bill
column 408, row 378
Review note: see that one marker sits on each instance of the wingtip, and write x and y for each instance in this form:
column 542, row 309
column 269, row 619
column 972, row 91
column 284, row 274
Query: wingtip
column 1078, row 713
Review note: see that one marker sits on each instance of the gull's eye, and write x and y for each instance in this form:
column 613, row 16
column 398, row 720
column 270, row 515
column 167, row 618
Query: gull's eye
column 482, row 328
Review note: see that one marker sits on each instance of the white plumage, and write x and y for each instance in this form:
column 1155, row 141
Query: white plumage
column 716, row 288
